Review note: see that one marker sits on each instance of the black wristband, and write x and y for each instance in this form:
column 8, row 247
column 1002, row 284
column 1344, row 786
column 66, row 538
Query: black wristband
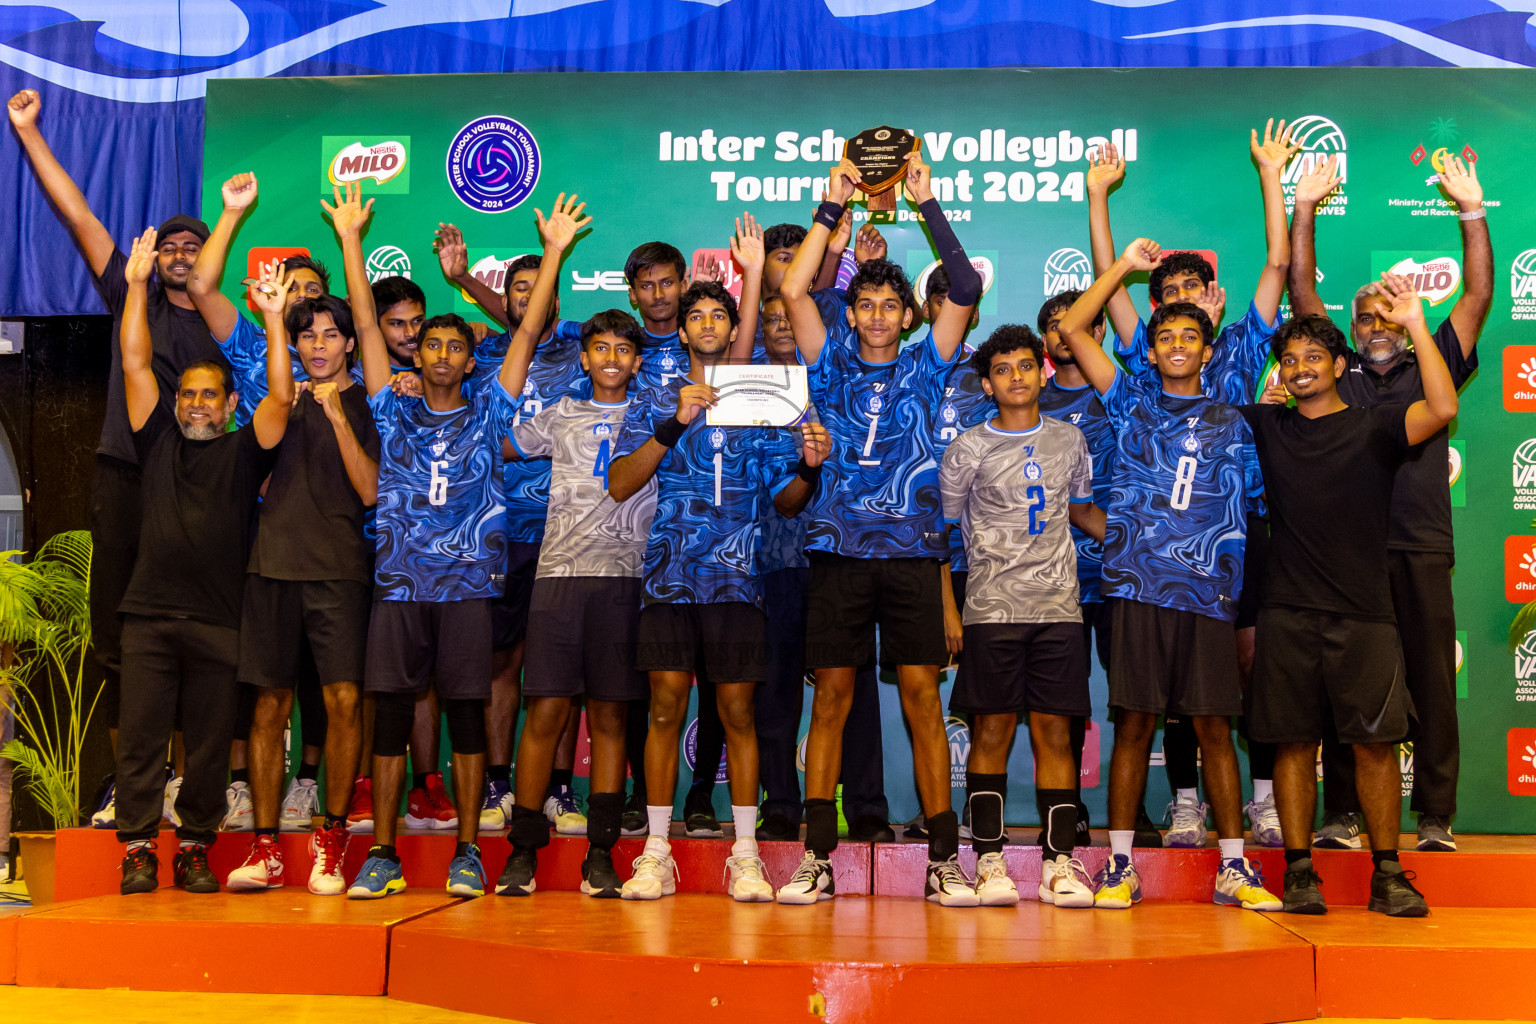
column 964, row 282
column 828, row 214
column 810, row 474
column 670, row 432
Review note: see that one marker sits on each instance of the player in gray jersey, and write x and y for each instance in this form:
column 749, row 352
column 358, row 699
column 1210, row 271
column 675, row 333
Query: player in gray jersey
column 1014, row 484
column 583, row 616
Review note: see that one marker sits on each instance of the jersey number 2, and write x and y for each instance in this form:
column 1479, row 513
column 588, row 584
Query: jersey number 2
column 1036, row 495
column 1183, row 483
column 437, row 491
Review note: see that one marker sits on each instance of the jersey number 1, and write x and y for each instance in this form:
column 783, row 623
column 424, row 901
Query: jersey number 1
column 437, row 491
column 1183, row 483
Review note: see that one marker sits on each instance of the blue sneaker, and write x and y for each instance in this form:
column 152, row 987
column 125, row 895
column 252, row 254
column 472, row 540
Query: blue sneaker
column 1117, row 886
column 466, row 875
column 496, row 810
column 379, row 877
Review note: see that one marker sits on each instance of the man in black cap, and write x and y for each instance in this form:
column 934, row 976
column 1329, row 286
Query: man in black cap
column 179, row 337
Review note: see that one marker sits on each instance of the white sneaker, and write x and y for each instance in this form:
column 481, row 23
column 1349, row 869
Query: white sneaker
column 262, row 867
column 172, row 791
column 239, row 813
column 749, row 883
column 300, row 805
column 564, row 813
column 947, row 885
column 1264, row 821
column 655, row 873
column 811, row 882
column 1064, row 882
column 106, row 814
column 993, row 886
column 1186, row 823
column 327, row 850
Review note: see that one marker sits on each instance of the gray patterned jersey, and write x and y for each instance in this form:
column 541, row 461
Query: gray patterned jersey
column 1009, row 491
column 587, row 533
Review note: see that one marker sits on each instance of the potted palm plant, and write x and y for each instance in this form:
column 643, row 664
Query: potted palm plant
column 47, row 678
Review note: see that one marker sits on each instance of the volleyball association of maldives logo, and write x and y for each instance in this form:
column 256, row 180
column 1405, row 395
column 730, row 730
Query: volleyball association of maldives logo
column 493, row 164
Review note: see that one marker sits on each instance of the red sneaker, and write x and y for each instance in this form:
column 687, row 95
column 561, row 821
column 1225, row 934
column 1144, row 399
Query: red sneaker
column 328, row 847
column 360, row 813
column 430, row 807
column 263, row 867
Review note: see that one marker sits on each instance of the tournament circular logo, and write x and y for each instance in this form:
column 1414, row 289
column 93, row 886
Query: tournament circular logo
column 493, row 164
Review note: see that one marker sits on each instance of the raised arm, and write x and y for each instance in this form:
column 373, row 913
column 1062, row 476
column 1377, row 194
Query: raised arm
column 826, row 274
column 747, row 250
column 1077, row 322
column 1438, row 407
column 139, row 384
column 1106, row 169
column 1460, row 184
column 89, row 235
column 804, row 317
column 558, row 231
column 362, row 469
column 954, row 318
column 453, row 256
column 1270, row 157
column 629, row 473
column 269, row 294
column 349, row 216
column 212, row 305
column 1311, row 189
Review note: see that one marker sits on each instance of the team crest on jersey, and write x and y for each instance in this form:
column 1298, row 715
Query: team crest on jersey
column 948, row 414
column 717, row 438
column 668, row 364
column 601, row 430
column 528, row 386
column 876, row 403
column 1191, row 443
column 1032, row 470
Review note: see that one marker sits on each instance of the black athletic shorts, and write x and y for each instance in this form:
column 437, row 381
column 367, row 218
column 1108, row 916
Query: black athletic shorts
column 1170, row 661
column 1096, row 630
column 1012, row 668
column 509, row 612
column 725, row 643
column 446, row 644
column 849, row 597
column 1315, row 674
column 1255, row 555
column 582, row 632
column 278, row 616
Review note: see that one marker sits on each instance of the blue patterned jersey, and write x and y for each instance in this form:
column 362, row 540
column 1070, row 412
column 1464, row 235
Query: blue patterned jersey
column 1081, row 408
column 1183, row 470
column 246, row 350
column 964, row 406
column 663, row 360
column 878, row 496
column 711, row 491
column 554, row 373
column 440, row 521
column 1238, row 359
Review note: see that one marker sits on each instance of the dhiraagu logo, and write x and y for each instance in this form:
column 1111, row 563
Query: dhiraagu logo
column 382, row 162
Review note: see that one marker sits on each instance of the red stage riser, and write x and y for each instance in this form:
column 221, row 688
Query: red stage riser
column 9, row 918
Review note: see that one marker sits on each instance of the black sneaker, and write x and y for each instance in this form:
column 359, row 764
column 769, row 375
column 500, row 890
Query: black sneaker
column 141, row 871
column 1435, row 834
column 917, row 829
column 777, row 828
column 870, row 829
column 699, row 821
column 190, row 870
column 1302, row 895
column 1393, row 894
column 1147, row 836
column 517, row 877
column 633, row 822
column 598, row 878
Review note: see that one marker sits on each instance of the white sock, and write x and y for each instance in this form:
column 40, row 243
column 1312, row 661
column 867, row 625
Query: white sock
column 744, row 847
column 1187, row 796
column 1231, row 849
column 1263, row 789
column 658, row 845
column 1120, row 842
column 660, row 819
column 745, row 820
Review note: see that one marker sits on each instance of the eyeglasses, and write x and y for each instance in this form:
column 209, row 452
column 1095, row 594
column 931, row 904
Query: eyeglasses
column 776, row 321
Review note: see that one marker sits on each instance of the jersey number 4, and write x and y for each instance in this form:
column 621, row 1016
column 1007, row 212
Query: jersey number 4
column 437, row 490
column 600, row 464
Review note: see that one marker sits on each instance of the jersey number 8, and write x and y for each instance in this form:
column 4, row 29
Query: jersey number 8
column 1183, row 483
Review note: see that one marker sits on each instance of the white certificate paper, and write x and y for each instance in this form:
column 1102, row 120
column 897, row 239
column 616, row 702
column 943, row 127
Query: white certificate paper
column 757, row 396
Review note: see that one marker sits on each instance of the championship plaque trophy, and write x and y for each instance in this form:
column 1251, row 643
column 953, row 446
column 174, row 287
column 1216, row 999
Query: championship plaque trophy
column 880, row 154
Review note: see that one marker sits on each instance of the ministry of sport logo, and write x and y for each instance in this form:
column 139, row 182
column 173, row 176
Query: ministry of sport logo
column 493, row 164
column 384, row 162
column 1520, row 569
column 388, row 261
column 1319, row 139
column 1522, row 286
column 1065, row 270
column 1521, row 744
column 1520, row 378
column 1525, row 670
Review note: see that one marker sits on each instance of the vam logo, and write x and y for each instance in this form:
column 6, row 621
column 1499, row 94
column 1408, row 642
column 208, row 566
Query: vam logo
column 959, row 735
column 1520, row 378
column 1523, row 475
column 388, row 261
column 1066, row 270
column 1525, row 669
column 1522, row 286
column 1520, row 569
column 1521, row 746
column 1319, row 139
column 1436, row 279
column 383, row 161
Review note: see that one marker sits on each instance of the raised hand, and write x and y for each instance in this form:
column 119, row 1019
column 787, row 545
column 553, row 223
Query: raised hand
column 694, row 399
column 1459, row 183
column 1274, row 394
column 1106, row 168
column 815, row 444
column 1316, row 184
column 141, row 258
column 844, row 177
column 1407, row 309
column 239, row 192
column 1213, row 299
column 843, row 232
column 350, row 214
column 1143, row 254
column 706, row 270
column 868, row 244
column 24, row 108
column 1277, row 148
column 919, row 181
column 328, row 395
column 559, row 229
column 452, row 252
column 747, row 246
column 269, row 291
column 406, row 384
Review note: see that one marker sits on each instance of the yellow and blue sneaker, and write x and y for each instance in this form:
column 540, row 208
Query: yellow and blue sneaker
column 380, row 877
column 1240, row 883
column 466, row 874
column 1117, row 886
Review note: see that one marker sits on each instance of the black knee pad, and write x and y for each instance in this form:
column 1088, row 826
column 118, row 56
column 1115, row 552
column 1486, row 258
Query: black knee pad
column 466, row 725
column 392, row 717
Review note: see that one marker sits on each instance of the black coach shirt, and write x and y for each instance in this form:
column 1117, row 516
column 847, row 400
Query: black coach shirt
column 196, row 532
column 1329, row 482
column 178, row 336
column 1421, row 502
column 311, row 518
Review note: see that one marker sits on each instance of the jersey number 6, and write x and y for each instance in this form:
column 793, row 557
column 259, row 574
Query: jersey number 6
column 437, row 491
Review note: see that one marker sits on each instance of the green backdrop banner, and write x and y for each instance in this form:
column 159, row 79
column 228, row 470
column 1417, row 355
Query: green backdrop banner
column 676, row 157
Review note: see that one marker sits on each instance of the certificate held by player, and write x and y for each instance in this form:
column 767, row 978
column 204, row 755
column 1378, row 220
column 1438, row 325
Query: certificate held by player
column 757, row 396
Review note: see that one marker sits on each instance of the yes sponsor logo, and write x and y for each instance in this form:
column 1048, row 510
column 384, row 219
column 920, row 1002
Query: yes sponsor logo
column 1065, row 270
column 1319, row 139
column 599, row 280
column 1458, row 462
column 1436, row 275
column 493, row 164
column 1520, row 378
column 1521, row 746
column 959, row 736
column 388, row 261
column 384, row 162
column 1522, row 286
column 1525, row 670
column 1520, row 569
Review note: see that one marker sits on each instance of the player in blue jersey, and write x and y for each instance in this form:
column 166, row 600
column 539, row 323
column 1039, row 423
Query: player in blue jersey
column 876, row 541
column 702, row 590
column 1173, row 560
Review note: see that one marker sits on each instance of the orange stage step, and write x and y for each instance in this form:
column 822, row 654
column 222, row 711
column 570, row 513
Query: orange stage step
column 9, row 918
column 263, row 942
column 568, row 957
